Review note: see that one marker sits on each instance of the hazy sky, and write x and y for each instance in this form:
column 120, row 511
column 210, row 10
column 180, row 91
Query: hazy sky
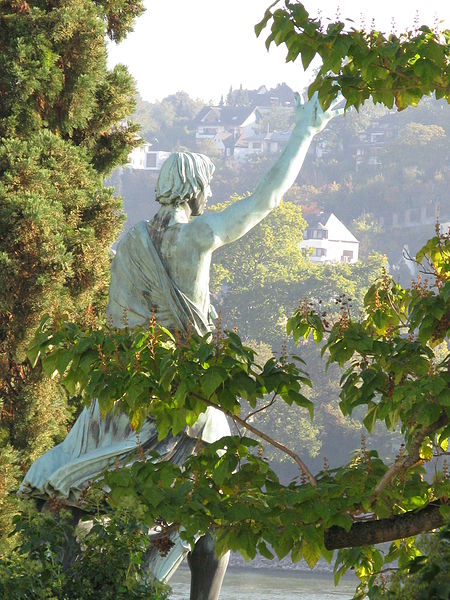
column 204, row 46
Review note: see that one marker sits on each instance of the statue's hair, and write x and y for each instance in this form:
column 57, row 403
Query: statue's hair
column 182, row 177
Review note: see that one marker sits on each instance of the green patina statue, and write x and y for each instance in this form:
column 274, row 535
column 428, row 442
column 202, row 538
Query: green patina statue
column 162, row 266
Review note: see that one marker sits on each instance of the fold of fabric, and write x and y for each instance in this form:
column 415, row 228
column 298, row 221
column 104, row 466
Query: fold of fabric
column 140, row 287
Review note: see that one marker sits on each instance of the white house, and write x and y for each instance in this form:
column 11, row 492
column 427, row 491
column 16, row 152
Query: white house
column 328, row 240
column 143, row 157
column 250, row 145
column 214, row 120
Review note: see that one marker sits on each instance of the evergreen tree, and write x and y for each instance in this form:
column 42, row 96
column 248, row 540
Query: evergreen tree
column 230, row 96
column 241, row 97
column 62, row 129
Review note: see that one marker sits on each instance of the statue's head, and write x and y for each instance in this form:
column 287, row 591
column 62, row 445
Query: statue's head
column 185, row 177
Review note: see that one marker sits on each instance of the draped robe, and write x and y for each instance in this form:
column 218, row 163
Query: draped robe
column 140, row 286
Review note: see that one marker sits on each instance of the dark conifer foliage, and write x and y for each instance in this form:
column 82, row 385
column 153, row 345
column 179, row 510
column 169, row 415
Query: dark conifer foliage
column 62, row 128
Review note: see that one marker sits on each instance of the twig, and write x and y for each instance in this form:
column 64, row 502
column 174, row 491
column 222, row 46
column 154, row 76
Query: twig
column 412, row 457
column 255, row 412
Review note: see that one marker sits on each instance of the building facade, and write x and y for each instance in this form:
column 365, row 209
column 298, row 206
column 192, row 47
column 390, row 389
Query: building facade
column 327, row 239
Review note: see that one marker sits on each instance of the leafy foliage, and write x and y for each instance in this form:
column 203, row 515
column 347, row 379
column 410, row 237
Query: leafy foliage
column 426, row 577
column 52, row 560
column 149, row 371
column 395, row 368
column 359, row 64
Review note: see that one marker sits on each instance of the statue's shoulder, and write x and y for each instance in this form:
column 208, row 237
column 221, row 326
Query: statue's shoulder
column 137, row 231
column 136, row 237
column 199, row 231
column 141, row 228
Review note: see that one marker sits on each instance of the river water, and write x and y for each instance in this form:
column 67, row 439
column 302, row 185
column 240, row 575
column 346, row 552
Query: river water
column 270, row 584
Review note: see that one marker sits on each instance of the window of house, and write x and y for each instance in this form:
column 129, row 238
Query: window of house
column 256, row 145
column 320, row 252
column 316, row 234
column 347, row 256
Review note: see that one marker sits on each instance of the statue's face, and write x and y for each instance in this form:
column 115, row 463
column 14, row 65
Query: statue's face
column 198, row 204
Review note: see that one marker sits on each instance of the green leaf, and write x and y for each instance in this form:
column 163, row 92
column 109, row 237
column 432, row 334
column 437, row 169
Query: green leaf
column 340, row 520
column 264, row 550
column 426, row 449
column 283, row 545
column 371, row 417
column 301, row 400
column 296, row 554
column 212, row 379
column 267, row 15
column 307, row 55
column 311, row 551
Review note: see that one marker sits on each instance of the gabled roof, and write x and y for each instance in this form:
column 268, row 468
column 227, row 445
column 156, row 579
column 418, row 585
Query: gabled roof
column 227, row 116
column 318, row 221
column 226, row 138
column 282, row 95
column 336, row 229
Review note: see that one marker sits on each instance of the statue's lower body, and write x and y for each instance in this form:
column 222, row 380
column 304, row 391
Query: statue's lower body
column 94, row 444
column 207, row 570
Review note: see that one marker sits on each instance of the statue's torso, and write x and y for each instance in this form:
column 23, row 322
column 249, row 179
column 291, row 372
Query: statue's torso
column 186, row 261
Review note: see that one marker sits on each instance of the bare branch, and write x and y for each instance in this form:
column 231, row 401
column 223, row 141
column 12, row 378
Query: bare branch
column 268, row 405
column 264, row 437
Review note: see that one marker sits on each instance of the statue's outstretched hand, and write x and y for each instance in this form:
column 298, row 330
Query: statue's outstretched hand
column 310, row 114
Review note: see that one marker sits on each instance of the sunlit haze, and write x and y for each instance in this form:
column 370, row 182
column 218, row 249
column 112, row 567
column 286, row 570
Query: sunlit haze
column 203, row 46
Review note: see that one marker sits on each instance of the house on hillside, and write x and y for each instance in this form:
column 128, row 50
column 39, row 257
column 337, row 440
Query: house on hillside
column 370, row 143
column 251, row 145
column 282, row 95
column 212, row 121
column 146, row 157
column 327, row 239
column 242, row 131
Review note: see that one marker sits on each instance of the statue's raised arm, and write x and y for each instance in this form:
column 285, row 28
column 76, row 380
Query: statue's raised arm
column 161, row 269
column 237, row 219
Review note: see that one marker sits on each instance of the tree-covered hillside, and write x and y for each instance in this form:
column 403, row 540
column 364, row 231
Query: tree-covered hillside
column 384, row 173
column 365, row 168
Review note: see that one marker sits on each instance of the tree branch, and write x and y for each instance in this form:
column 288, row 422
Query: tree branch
column 258, row 410
column 412, row 457
column 264, row 437
column 384, row 530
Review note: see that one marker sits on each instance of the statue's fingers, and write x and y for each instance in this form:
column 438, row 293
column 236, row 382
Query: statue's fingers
column 298, row 99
